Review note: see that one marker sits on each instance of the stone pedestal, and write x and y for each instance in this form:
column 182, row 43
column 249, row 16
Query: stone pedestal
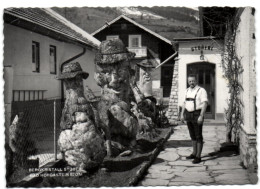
column 82, row 145
column 80, row 141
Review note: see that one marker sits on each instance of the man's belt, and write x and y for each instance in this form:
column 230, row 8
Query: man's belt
column 190, row 99
column 199, row 110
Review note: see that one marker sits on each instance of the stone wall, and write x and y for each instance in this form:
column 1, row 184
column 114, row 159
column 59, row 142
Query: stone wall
column 172, row 113
column 248, row 151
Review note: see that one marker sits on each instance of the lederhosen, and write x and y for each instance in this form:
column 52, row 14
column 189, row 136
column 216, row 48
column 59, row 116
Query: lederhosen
column 195, row 129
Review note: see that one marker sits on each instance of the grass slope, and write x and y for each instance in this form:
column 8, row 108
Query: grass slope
column 179, row 22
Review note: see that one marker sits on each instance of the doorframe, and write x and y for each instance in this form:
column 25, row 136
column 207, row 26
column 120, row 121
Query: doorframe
column 213, row 65
column 161, row 76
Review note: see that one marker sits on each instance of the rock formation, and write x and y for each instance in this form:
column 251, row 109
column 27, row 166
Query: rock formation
column 113, row 76
column 144, row 106
column 80, row 141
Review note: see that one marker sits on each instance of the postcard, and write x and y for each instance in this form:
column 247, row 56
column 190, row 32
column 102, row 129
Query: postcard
column 124, row 96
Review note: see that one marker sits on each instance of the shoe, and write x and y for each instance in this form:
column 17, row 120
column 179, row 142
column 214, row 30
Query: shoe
column 191, row 156
column 196, row 160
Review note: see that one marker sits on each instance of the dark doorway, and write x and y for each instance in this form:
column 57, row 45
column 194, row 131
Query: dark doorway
column 166, row 79
column 206, row 78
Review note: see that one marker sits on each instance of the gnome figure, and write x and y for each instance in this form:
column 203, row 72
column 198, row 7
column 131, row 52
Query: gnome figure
column 113, row 76
column 144, row 106
column 80, row 142
column 145, row 79
column 148, row 105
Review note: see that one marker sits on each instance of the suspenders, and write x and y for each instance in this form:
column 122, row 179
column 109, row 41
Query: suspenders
column 192, row 99
column 195, row 99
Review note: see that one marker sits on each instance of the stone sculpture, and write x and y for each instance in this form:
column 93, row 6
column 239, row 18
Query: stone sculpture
column 113, row 76
column 144, row 106
column 80, row 141
column 148, row 106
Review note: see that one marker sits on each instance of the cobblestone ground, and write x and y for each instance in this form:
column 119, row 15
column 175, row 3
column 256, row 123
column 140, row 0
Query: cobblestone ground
column 217, row 168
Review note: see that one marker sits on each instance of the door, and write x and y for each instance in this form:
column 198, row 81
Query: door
column 206, row 78
column 166, row 80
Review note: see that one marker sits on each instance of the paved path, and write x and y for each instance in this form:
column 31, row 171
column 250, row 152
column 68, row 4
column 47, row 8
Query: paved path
column 172, row 169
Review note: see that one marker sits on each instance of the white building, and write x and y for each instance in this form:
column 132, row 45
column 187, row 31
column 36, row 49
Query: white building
column 245, row 48
column 201, row 56
column 37, row 42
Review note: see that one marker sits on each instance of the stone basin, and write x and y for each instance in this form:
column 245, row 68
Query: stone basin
column 143, row 152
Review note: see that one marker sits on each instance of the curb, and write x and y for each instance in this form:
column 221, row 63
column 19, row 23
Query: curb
column 145, row 166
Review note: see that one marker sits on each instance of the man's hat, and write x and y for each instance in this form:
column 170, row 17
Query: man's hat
column 112, row 51
column 71, row 70
column 147, row 63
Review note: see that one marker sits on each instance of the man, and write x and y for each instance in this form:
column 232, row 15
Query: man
column 193, row 109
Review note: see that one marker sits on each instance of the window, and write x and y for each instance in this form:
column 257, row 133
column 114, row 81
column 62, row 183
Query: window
column 123, row 26
column 109, row 37
column 52, row 58
column 35, row 56
column 135, row 41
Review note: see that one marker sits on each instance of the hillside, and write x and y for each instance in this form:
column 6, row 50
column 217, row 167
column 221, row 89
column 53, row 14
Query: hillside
column 170, row 22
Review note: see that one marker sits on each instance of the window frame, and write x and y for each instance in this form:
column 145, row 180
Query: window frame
column 55, row 59
column 36, row 56
column 123, row 26
column 131, row 37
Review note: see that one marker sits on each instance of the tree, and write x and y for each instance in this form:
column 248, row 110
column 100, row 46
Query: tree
column 214, row 17
column 233, row 68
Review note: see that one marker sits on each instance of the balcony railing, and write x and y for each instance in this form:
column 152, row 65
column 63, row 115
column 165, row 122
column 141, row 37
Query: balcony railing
column 139, row 51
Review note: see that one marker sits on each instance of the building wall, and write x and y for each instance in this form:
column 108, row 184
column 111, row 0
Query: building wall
column 156, row 76
column 18, row 55
column 245, row 48
column 186, row 56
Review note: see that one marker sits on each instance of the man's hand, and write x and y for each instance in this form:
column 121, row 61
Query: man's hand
column 182, row 113
column 200, row 119
column 182, row 118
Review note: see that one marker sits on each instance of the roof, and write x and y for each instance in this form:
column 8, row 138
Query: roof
column 196, row 38
column 49, row 19
column 136, row 24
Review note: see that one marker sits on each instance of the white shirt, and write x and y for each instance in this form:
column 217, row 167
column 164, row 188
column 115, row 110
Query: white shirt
column 200, row 98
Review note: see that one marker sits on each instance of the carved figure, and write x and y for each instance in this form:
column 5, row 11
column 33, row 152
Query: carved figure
column 80, row 141
column 113, row 76
column 148, row 104
column 144, row 106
